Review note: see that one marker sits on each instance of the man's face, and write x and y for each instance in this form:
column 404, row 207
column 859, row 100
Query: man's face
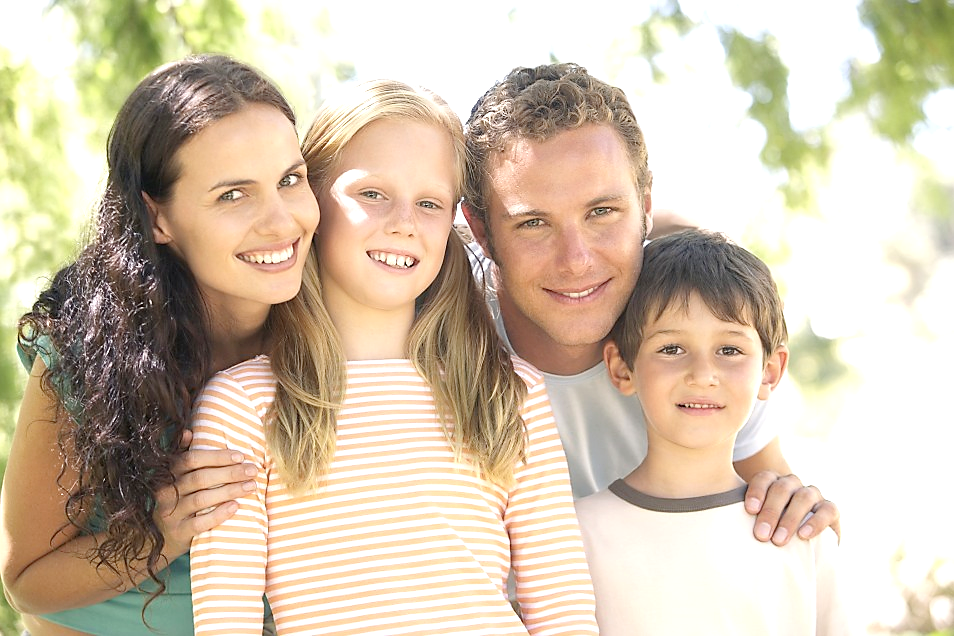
column 565, row 227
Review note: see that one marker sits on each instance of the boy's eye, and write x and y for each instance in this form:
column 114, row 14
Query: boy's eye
column 730, row 351
column 371, row 194
column 430, row 205
column 669, row 350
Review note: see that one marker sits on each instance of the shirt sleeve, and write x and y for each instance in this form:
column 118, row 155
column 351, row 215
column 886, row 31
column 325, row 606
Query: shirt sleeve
column 758, row 431
column 228, row 562
column 553, row 584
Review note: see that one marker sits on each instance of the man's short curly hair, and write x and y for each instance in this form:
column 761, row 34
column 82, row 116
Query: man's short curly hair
column 538, row 103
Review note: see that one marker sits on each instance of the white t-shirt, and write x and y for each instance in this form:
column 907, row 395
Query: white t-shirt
column 696, row 569
column 603, row 431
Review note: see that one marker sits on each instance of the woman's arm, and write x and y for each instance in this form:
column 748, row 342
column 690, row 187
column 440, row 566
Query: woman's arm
column 44, row 561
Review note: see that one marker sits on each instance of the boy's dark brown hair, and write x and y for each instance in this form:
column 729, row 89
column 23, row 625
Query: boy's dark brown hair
column 734, row 284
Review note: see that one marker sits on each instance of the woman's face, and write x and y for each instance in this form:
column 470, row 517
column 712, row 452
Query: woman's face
column 241, row 214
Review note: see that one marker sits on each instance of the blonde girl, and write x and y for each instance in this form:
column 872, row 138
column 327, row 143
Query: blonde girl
column 405, row 463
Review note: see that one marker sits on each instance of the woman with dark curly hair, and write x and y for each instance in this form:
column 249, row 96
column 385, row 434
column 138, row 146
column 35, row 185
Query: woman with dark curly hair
column 204, row 224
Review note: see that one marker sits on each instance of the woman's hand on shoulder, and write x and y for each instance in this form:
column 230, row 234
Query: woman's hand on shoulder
column 208, row 483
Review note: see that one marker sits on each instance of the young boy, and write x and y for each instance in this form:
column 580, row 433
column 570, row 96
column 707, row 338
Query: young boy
column 701, row 339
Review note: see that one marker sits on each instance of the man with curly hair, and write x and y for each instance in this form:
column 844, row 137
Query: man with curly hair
column 558, row 197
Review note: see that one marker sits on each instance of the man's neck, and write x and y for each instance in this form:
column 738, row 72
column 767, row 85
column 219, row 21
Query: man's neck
column 536, row 347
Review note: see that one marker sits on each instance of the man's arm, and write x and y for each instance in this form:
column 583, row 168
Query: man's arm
column 780, row 501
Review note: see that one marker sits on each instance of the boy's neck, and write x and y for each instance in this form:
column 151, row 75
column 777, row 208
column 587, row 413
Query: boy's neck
column 683, row 474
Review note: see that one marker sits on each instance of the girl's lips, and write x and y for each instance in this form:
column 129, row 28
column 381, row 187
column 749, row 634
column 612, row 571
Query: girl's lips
column 399, row 261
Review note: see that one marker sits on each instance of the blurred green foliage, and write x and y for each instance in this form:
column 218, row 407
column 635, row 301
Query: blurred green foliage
column 119, row 41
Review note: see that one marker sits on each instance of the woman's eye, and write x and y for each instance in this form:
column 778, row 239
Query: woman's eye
column 231, row 195
column 289, row 180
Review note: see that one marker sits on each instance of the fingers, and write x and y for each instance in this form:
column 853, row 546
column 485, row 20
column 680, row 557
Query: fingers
column 194, row 460
column 825, row 514
column 758, row 489
column 784, row 503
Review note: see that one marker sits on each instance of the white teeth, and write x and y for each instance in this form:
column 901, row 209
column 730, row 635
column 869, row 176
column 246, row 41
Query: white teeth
column 270, row 258
column 393, row 260
column 582, row 294
column 692, row 405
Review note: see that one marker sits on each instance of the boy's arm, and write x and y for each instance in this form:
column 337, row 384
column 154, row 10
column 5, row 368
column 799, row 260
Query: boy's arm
column 781, row 501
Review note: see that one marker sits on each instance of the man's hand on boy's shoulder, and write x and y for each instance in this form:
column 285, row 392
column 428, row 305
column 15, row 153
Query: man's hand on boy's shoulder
column 781, row 504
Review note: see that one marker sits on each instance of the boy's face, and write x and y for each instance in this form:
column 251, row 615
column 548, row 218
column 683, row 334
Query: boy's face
column 697, row 376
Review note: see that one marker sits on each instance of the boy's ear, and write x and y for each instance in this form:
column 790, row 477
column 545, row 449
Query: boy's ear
column 477, row 226
column 775, row 367
column 620, row 374
column 159, row 233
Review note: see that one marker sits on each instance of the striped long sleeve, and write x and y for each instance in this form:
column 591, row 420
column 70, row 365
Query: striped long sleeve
column 399, row 538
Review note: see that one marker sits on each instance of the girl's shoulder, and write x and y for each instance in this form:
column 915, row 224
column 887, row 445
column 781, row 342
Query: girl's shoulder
column 248, row 372
column 527, row 372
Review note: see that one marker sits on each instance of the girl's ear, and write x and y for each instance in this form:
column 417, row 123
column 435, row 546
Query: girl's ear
column 620, row 374
column 775, row 367
column 159, row 221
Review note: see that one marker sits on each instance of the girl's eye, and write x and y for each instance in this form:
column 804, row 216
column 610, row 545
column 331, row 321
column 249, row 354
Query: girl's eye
column 231, row 195
column 289, row 180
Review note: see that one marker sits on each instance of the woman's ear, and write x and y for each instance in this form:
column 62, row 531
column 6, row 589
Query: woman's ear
column 620, row 374
column 159, row 233
column 775, row 367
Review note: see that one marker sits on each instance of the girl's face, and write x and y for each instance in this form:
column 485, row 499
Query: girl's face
column 241, row 215
column 387, row 211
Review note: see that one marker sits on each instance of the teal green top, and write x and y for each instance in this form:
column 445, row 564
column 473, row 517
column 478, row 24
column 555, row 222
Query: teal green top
column 168, row 615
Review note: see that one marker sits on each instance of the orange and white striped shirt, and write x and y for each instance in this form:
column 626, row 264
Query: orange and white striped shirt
column 399, row 538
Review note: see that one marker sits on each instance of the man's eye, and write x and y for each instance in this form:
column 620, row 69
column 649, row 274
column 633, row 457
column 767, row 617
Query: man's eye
column 532, row 223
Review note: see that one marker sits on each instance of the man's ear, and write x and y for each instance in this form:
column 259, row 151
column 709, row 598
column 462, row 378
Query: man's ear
column 477, row 226
column 159, row 233
column 648, row 204
column 620, row 374
column 774, row 370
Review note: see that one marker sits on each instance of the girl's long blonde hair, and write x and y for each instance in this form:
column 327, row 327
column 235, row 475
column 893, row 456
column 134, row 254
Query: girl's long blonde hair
column 453, row 342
